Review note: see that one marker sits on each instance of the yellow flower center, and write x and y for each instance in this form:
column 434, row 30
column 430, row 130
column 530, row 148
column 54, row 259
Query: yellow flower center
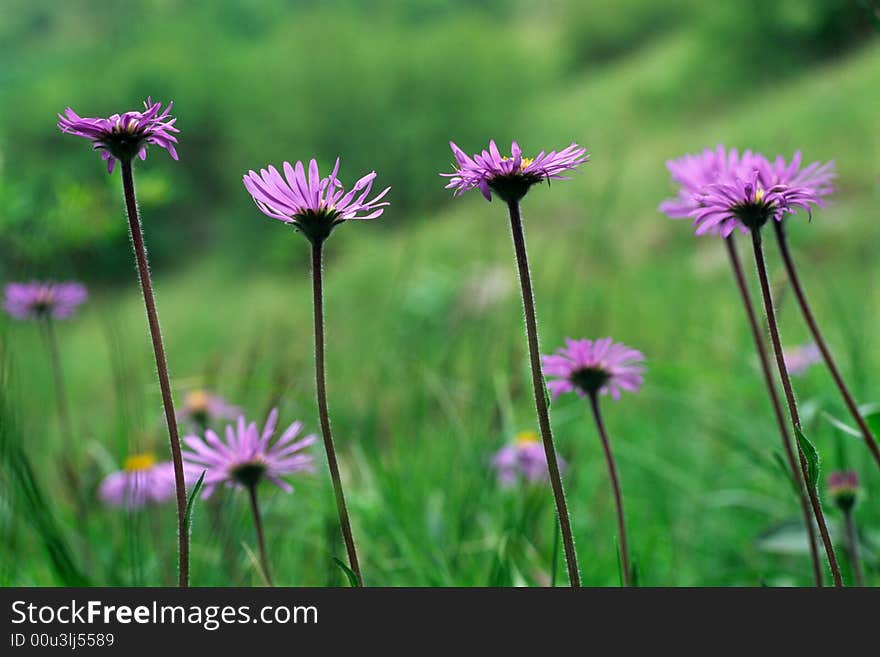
column 526, row 161
column 138, row 462
column 197, row 401
column 759, row 195
column 526, row 437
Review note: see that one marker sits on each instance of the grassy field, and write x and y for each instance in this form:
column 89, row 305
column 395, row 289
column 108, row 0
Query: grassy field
column 427, row 365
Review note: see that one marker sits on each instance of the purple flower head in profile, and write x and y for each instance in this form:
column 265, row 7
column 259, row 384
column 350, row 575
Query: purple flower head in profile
column 37, row 300
column 123, row 136
column 200, row 407
column 247, row 455
column 141, row 481
column 799, row 359
column 524, row 459
column 590, row 367
column 722, row 191
column 510, row 177
column 313, row 205
column 843, row 488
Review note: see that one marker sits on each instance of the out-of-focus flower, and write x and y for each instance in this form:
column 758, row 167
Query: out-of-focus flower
column 247, row 455
column 510, row 177
column 722, row 191
column 843, row 488
column 523, row 459
column 590, row 367
column 141, row 481
column 124, row 136
column 37, row 300
column 313, row 205
column 799, row 359
column 202, row 407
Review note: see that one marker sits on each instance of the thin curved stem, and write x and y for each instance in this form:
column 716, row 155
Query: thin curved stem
column 810, row 319
column 140, row 256
column 324, row 416
column 763, row 358
column 615, row 487
column 540, row 392
column 852, row 539
column 792, row 404
column 258, row 526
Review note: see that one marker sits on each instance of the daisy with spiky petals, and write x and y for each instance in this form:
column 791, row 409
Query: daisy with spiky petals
column 142, row 481
column 524, row 459
column 511, row 178
column 314, row 206
column 123, row 137
column 695, row 174
column 201, row 407
column 592, row 368
column 311, row 204
column 246, row 457
column 38, row 300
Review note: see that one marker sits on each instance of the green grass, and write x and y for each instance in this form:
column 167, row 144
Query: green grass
column 425, row 384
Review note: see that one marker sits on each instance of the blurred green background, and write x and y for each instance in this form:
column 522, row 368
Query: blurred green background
column 426, row 363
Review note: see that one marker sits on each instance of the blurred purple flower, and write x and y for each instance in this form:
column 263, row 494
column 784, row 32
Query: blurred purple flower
column 589, row 367
column 722, row 191
column 38, row 300
column 523, row 459
column 312, row 204
column 247, row 456
column 510, row 177
column 201, row 407
column 141, row 481
column 843, row 488
column 122, row 136
column 799, row 359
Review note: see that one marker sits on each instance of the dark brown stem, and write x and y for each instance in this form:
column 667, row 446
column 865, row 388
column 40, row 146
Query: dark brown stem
column 810, row 319
column 615, row 487
column 852, row 539
column 324, row 416
column 792, row 404
column 58, row 379
column 764, row 359
column 525, row 279
column 258, row 525
column 140, row 255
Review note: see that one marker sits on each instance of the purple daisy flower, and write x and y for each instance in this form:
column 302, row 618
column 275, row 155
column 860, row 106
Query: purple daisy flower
column 843, row 487
column 722, row 191
column 590, row 367
column 37, row 300
column 247, row 455
column 510, row 177
column 201, row 407
column 525, row 458
column 141, row 481
column 799, row 359
column 122, row 136
column 313, row 205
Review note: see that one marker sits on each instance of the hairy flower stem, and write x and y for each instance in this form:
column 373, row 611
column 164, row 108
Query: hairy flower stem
column 852, row 540
column 810, row 319
column 519, row 245
column 764, row 359
column 140, row 255
column 792, row 404
column 615, row 487
column 261, row 541
column 321, row 387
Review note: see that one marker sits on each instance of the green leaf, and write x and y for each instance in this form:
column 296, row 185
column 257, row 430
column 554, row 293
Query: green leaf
column 812, row 457
column 873, row 420
column 843, row 426
column 187, row 516
column 349, row 573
